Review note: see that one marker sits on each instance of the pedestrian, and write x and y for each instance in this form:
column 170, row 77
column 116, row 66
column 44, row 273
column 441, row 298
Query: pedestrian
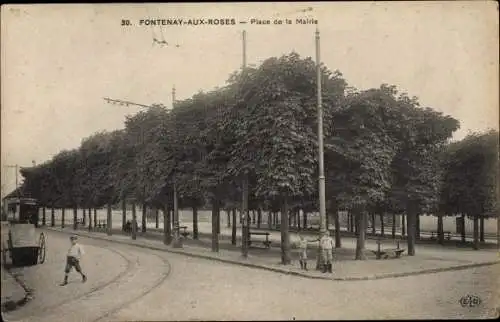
column 75, row 253
column 302, row 248
column 326, row 244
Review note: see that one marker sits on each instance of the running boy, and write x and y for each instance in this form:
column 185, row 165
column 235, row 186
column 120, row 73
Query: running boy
column 75, row 252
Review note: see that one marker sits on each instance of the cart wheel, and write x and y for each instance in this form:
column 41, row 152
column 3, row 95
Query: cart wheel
column 41, row 249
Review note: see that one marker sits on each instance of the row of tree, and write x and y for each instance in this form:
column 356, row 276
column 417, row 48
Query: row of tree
column 257, row 137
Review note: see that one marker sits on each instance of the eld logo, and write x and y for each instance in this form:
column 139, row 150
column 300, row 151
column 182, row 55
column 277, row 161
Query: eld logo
column 470, row 301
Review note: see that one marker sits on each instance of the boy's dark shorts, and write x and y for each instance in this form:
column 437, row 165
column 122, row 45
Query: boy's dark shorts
column 72, row 262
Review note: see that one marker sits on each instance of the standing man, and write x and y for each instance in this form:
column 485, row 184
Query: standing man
column 326, row 244
column 75, row 253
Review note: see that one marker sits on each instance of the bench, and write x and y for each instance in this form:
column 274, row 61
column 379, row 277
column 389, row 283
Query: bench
column 101, row 224
column 266, row 242
column 385, row 253
column 184, row 233
column 447, row 233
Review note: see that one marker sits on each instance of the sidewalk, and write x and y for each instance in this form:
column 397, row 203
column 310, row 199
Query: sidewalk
column 430, row 250
column 13, row 293
column 345, row 267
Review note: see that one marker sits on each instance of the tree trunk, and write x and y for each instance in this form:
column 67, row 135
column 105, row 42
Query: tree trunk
column 476, row 232
column 481, row 229
column 218, row 221
column 124, row 213
column 417, row 226
column 195, row 222
column 440, row 231
column 374, row 232
column 297, row 216
column 336, row 219
column 393, row 232
column 305, row 219
column 244, row 214
column 259, row 217
column 253, row 217
column 177, row 242
column 285, row 237
column 144, row 217
column 157, row 218
column 167, row 225
column 134, row 221
column 411, row 212
column 52, row 217
column 233, row 230
column 215, row 225
column 349, row 221
column 109, row 219
column 95, row 217
column 356, row 217
column 353, row 224
column 382, row 225
column 462, row 230
column 75, row 217
column 403, row 225
column 62, row 217
column 44, row 220
column 167, row 228
column 90, row 219
column 228, row 213
column 360, row 217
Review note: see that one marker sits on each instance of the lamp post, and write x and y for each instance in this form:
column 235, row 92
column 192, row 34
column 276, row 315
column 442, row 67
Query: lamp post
column 244, row 199
column 177, row 242
column 322, row 203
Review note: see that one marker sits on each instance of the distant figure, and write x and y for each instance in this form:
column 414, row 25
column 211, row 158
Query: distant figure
column 326, row 245
column 128, row 226
column 302, row 249
column 75, row 253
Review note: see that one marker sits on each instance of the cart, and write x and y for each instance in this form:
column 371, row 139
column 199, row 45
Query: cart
column 19, row 235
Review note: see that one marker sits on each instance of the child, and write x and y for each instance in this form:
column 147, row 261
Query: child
column 75, row 252
column 302, row 248
column 327, row 246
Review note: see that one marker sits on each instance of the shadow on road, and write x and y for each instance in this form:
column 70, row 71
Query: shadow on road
column 14, row 304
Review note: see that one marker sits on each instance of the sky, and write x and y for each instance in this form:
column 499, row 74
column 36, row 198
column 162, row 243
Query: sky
column 58, row 62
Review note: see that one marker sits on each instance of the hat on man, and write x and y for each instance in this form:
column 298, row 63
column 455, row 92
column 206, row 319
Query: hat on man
column 73, row 237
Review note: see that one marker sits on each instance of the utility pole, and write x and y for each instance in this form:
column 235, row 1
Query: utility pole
column 244, row 197
column 134, row 213
column 16, row 167
column 322, row 205
column 177, row 243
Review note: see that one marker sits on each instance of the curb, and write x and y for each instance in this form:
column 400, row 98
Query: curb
column 284, row 271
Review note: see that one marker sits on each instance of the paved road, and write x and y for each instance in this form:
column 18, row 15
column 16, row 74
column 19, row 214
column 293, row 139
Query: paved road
column 127, row 283
column 116, row 275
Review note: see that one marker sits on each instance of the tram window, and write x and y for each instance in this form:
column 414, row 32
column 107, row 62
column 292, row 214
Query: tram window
column 28, row 212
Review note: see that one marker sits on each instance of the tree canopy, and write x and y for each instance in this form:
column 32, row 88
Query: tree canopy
column 382, row 149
